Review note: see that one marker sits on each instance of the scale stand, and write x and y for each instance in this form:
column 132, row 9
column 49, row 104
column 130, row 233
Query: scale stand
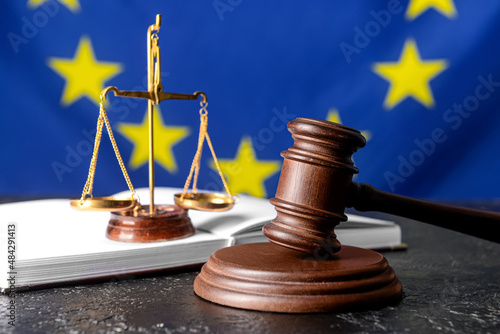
column 130, row 221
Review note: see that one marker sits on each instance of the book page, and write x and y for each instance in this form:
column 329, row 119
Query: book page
column 354, row 221
column 51, row 228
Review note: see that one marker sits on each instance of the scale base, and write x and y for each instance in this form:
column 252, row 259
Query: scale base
column 169, row 222
column 268, row 277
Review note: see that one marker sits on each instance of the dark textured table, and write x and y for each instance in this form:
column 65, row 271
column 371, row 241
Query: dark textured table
column 451, row 284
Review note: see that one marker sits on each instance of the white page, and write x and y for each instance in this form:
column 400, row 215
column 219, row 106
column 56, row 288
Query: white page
column 51, row 229
column 55, row 229
column 352, row 218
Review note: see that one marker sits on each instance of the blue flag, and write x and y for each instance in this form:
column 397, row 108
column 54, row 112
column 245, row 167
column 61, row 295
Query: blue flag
column 420, row 79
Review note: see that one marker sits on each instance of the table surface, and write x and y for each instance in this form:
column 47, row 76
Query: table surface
column 451, row 284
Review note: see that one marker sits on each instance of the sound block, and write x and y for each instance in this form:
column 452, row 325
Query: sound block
column 268, row 277
column 168, row 222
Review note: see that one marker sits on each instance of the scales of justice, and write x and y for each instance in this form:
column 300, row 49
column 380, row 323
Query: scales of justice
column 130, row 220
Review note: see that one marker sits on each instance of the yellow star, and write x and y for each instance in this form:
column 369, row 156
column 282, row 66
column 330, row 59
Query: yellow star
column 245, row 173
column 417, row 7
column 334, row 116
column 165, row 137
column 83, row 74
column 73, row 5
column 410, row 76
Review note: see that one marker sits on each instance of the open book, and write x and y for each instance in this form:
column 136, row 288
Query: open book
column 53, row 243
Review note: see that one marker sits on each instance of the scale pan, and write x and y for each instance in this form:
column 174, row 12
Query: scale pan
column 104, row 204
column 204, row 201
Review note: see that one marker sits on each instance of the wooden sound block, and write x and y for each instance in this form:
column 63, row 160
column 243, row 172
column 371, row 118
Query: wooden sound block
column 169, row 222
column 268, row 277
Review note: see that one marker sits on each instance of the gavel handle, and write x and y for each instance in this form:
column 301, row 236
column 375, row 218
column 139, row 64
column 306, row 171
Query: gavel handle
column 478, row 223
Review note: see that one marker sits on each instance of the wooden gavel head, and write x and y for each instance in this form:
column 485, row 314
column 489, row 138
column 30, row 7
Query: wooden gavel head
column 314, row 182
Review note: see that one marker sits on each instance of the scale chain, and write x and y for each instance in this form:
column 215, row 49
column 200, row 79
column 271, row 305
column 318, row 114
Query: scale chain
column 103, row 119
column 195, row 166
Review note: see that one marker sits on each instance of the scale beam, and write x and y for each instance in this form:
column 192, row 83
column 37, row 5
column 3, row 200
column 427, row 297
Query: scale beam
column 153, row 96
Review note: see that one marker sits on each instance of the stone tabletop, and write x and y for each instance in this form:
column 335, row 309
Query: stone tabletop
column 451, row 284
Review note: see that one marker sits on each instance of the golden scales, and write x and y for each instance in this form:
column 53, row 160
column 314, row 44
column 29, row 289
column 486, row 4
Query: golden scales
column 131, row 221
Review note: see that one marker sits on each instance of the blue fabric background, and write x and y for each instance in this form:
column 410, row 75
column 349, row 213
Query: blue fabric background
column 261, row 63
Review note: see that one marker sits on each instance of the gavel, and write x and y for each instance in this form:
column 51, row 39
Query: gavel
column 316, row 186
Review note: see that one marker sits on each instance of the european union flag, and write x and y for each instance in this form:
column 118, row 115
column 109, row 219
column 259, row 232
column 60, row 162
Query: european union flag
column 420, row 78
